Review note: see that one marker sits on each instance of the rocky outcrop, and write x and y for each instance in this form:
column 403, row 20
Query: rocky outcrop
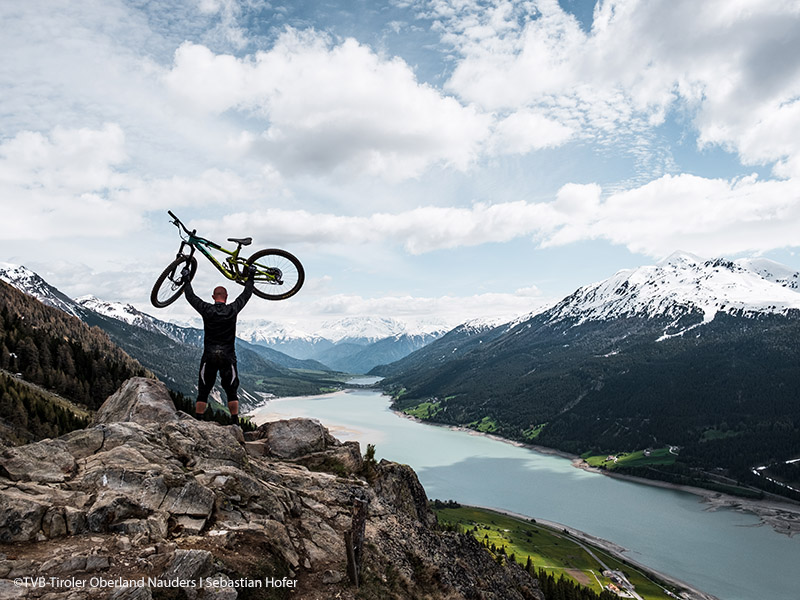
column 150, row 503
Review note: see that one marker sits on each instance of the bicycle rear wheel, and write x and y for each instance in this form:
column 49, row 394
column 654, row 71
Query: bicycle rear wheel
column 279, row 276
column 169, row 285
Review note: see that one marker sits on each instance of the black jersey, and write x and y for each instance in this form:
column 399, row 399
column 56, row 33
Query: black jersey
column 219, row 319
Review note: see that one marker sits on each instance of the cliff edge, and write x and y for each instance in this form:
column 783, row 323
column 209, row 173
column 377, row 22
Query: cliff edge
column 150, row 503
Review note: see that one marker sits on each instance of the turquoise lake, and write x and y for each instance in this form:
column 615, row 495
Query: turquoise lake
column 724, row 553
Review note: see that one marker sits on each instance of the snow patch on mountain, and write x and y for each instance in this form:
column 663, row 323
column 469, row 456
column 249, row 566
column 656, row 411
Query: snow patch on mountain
column 132, row 316
column 771, row 271
column 684, row 283
column 30, row 283
column 360, row 330
column 115, row 310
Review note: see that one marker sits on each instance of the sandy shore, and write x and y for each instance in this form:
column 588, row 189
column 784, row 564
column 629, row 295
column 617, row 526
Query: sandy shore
column 615, row 550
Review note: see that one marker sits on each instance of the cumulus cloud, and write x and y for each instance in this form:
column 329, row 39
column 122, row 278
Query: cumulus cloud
column 332, row 106
column 76, row 182
column 708, row 216
column 730, row 65
column 419, row 230
column 711, row 217
column 56, row 184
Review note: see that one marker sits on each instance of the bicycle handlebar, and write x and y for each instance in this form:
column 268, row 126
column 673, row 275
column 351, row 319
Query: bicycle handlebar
column 178, row 223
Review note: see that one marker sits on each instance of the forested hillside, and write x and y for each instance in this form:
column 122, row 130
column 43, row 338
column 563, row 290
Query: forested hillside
column 728, row 395
column 60, row 353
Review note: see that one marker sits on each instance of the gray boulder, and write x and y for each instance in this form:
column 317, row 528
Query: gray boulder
column 292, row 438
column 139, row 400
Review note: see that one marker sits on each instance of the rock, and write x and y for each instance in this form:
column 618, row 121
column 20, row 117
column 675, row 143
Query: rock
column 292, row 438
column 84, row 442
column 97, row 563
column 110, row 509
column 188, row 565
column 9, row 591
column 139, row 400
column 399, row 486
column 257, row 448
column 190, row 526
column 76, row 520
column 223, row 589
column 54, row 524
column 47, row 461
column 341, row 460
column 131, row 593
column 20, row 516
column 144, row 473
column 192, row 499
column 332, row 577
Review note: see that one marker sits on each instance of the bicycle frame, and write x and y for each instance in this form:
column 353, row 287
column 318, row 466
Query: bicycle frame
column 234, row 270
column 235, row 267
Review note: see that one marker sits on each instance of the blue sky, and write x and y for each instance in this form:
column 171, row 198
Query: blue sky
column 424, row 158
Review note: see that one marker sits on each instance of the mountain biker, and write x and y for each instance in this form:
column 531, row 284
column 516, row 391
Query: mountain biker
column 219, row 352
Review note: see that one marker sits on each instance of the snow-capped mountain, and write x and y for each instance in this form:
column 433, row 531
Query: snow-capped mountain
column 358, row 330
column 372, row 329
column 30, row 283
column 684, row 283
column 771, row 271
column 612, row 367
column 343, row 344
column 130, row 315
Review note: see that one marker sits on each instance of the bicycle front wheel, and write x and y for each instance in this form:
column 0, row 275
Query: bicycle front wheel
column 169, row 285
column 279, row 275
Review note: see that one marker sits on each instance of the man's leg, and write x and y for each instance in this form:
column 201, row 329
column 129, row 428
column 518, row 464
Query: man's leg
column 205, row 382
column 229, row 377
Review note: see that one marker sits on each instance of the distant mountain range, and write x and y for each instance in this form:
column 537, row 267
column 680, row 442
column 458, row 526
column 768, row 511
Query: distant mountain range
column 173, row 352
column 265, row 349
column 701, row 354
column 352, row 345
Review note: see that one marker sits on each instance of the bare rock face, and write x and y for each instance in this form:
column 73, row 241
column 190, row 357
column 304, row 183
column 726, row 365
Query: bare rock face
column 139, row 400
column 293, row 438
column 148, row 492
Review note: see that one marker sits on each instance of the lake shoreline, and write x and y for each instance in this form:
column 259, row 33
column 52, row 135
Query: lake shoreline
column 782, row 517
column 611, row 548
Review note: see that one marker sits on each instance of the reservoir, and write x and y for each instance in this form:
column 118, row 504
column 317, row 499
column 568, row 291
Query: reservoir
column 725, row 553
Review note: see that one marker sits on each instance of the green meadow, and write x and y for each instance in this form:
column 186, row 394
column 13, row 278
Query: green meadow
column 659, row 456
column 550, row 549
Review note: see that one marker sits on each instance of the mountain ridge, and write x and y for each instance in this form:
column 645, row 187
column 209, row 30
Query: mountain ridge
column 630, row 362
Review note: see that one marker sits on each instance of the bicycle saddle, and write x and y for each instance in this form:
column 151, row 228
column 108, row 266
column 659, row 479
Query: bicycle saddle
column 243, row 241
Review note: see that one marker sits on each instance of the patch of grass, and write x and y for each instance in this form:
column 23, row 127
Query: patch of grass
column 709, row 435
column 424, row 410
column 533, row 432
column 485, row 425
column 640, row 458
column 550, row 549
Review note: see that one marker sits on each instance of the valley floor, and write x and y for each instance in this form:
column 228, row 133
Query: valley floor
column 593, row 546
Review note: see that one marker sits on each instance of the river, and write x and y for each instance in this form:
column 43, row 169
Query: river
column 725, row 553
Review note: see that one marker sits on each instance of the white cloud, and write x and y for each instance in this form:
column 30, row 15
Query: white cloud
column 710, row 217
column 419, row 230
column 523, row 131
column 75, row 182
column 329, row 107
column 732, row 65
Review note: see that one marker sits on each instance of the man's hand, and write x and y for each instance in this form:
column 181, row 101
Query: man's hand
column 186, row 275
column 251, row 272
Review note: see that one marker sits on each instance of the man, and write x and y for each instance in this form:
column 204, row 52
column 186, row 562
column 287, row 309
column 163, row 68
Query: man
column 219, row 352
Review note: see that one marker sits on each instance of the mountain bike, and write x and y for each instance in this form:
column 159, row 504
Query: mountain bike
column 278, row 274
